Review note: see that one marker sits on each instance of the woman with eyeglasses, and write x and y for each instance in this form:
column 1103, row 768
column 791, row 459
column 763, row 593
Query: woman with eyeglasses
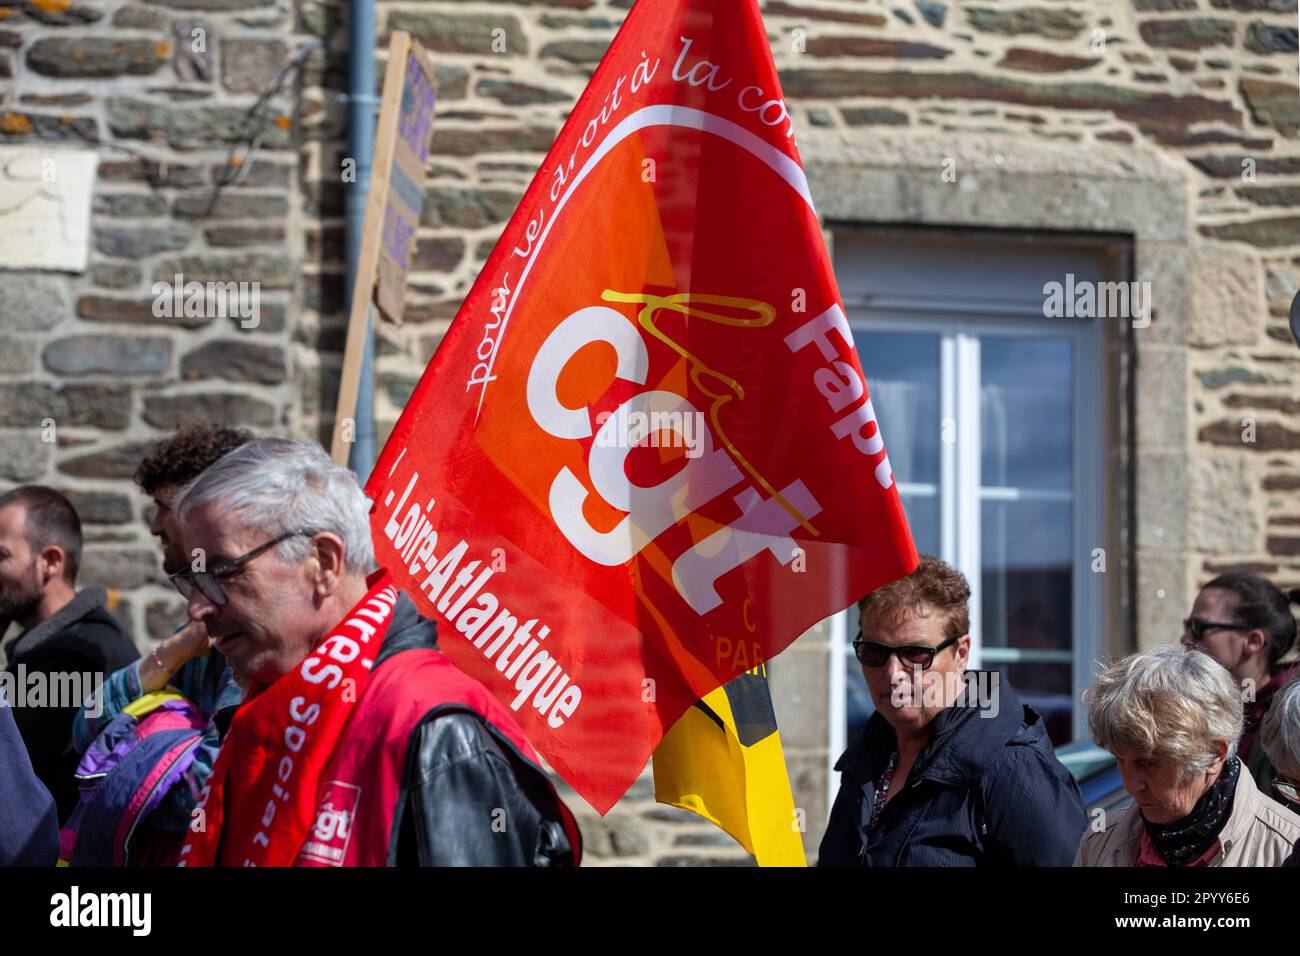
column 1244, row 622
column 1173, row 721
column 1280, row 738
column 951, row 769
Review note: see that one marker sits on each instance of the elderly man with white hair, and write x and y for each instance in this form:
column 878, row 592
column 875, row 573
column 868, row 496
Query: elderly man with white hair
column 357, row 742
column 1173, row 720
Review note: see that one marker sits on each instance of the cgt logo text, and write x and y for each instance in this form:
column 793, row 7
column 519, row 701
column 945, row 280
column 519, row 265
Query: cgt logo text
column 102, row 909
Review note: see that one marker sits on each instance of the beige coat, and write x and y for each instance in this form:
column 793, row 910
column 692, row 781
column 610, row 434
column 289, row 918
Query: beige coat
column 1259, row 832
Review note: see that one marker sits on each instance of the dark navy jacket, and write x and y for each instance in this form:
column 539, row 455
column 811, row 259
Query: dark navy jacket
column 984, row 791
column 29, row 829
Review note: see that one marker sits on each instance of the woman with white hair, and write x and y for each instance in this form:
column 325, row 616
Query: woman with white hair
column 1280, row 738
column 1173, row 721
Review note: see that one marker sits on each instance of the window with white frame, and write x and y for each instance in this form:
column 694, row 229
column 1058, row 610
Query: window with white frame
column 991, row 414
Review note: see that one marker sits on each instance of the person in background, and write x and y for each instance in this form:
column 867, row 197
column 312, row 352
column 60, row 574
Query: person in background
column 1280, row 737
column 1245, row 623
column 67, row 635
column 29, row 829
column 1173, row 720
column 185, row 659
column 933, row 780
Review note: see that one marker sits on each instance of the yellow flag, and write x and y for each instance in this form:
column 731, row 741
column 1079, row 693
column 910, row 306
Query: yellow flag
column 723, row 760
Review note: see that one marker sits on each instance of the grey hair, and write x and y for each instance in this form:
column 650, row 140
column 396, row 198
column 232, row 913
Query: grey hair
column 1168, row 704
column 279, row 485
column 1280, row 734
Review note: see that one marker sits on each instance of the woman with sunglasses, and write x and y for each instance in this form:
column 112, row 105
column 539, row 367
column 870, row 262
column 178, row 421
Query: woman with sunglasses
column 951, row 770
column 1244, row 622
column 1280, row 738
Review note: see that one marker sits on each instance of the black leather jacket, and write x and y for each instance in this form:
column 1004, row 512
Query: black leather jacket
column 459, row 769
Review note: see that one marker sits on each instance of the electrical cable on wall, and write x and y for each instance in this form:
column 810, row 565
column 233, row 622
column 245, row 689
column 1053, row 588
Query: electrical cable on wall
column 248, row 141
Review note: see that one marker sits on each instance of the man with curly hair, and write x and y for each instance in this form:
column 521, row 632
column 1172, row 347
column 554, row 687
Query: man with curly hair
column 171, row 463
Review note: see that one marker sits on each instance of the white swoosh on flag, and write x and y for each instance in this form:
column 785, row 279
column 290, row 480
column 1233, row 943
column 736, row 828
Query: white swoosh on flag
column 661, row 115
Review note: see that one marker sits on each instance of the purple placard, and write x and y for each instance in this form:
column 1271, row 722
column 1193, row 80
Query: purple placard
column 415, row 124
column 399, row 235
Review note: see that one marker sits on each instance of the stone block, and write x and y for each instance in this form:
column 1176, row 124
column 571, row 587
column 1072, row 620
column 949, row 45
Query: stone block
column 462, row 33
column 1194, row 33
column 28, row 404
column 249, row 64
column 236, row 361
column 1162, row 500
column 124, row 242
column 455, row 208
column 109, row 462
column 120, row 568
column 96, row 56
column 1227, row 295
column 168, row 411
column 273, row 270
column 23, row 455
column 1163, row 597
column 1161, row 396
column 99, row 507
column 490, row 139
column 1268, row 38
column 1042, row 21
column 109, row 355
column 33, row 303
column 18, row 357
column 1224, row 516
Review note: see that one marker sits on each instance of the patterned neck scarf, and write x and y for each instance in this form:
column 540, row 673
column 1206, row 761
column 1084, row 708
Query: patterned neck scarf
column 882, row 789
column 1185, row 840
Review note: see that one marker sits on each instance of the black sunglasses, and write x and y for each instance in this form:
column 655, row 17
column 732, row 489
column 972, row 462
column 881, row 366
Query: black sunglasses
column 209, row 582
column 1196, row 628
column 871, row 654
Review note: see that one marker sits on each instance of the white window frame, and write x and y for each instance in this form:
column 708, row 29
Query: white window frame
column 959, row 326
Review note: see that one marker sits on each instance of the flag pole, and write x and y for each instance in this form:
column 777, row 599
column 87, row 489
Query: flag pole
column 364, row 237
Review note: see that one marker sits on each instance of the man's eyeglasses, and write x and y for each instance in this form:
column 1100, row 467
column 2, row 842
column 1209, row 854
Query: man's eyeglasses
column 209, row 582
column 871, row 654
column 1290, row 792
column 1196, row 628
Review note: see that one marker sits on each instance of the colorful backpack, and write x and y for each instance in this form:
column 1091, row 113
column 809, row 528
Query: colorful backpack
column 124, row 775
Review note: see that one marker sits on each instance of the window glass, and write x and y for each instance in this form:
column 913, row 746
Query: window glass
column 902, row 373
column 1027, row 499
column 1027, row 519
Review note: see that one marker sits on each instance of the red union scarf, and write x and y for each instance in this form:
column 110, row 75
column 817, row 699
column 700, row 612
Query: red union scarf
column 664, row 281
column 260, row 801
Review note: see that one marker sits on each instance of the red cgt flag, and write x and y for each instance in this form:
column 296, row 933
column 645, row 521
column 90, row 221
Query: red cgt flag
column 644, row 458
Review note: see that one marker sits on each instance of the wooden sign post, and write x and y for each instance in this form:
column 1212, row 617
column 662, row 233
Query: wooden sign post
column 393, row 206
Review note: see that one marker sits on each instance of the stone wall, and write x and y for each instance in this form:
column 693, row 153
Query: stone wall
column 168, row 86
column 1209, row 86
